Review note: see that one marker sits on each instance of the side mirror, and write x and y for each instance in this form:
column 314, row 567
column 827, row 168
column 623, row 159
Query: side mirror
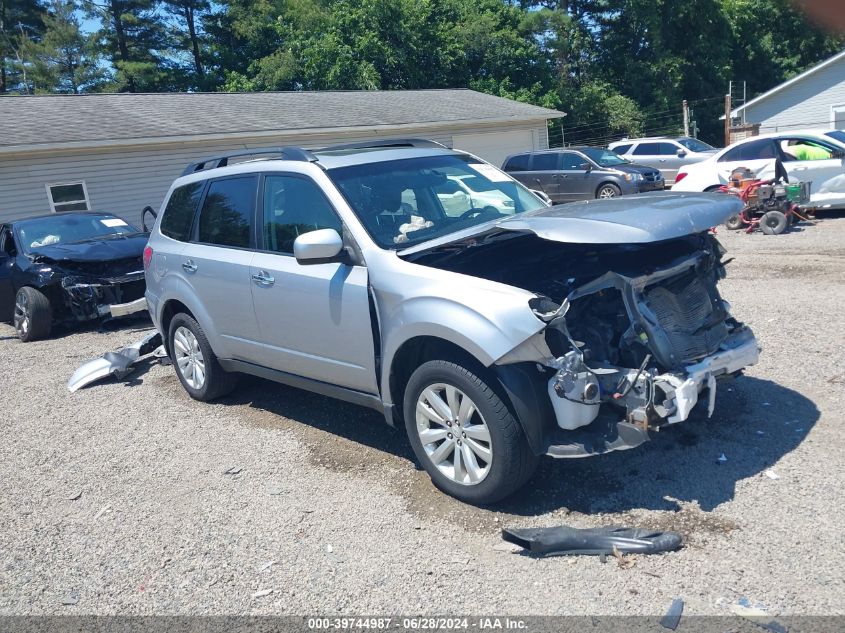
column 318, row 247
column 148, row 210
column 585, row 166
column 681, row 153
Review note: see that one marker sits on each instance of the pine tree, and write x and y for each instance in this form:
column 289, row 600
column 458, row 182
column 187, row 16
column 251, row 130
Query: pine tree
column 18, row 19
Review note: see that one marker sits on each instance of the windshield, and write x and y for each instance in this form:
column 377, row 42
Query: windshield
column 838, row 135
column 69, row 229
column 405, row 202
column 694, row 145
column 603, row 157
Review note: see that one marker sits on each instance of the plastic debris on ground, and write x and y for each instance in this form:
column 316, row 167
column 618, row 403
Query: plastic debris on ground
column 673, row 615
column 612, row 540
column 772, row 474
column 117, row 364
column 721, row 459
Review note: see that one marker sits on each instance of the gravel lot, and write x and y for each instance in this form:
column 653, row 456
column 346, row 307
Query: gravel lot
column 117, row 497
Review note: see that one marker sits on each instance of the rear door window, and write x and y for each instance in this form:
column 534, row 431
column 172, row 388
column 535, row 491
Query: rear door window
column 545, row 162
column 227, row 212
column 179, row 212
column 517, row 163
column 653, row 149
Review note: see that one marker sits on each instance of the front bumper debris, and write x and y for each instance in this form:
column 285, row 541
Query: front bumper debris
column 117, row 364
column 567, row 541
column 89, row 299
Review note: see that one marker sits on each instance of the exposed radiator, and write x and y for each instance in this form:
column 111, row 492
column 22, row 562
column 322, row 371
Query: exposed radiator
column 685, row 311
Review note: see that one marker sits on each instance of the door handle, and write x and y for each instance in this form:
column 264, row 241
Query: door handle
column 189, row 266
column 263, row 278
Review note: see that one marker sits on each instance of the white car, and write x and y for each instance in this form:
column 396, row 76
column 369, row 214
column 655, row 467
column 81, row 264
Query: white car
column 815, row 156
column 460, row 193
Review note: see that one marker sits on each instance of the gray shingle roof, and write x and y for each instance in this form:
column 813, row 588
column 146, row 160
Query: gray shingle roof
column 56, row 119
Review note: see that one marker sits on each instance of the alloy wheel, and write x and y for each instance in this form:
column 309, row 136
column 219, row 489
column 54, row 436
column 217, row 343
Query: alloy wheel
column 453, row 434
column 189, row 358
column 607, row 192
column 22, row 317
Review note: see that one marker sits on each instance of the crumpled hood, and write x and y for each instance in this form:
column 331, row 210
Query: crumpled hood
column 637, row 219
column 95, row 251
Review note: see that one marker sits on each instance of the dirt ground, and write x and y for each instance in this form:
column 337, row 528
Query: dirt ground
column 130, row 498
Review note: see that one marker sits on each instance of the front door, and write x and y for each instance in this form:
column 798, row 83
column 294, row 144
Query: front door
column 576, row 181
column 7, row 290
column 818, row 163
column 314, row 319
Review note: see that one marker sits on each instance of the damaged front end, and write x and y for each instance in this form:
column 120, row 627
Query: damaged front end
column 636, row 333
column 91, row 298
column 633, row 353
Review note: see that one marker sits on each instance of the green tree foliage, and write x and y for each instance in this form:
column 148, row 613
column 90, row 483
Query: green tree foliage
column 63, row 59
column 616, row 67
column 134, row 41
column 19, row 20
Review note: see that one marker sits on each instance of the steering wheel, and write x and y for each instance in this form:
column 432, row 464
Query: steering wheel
column 475, row 212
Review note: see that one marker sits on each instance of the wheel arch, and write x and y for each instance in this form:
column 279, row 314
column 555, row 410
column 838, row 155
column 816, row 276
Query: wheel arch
column 608, row 181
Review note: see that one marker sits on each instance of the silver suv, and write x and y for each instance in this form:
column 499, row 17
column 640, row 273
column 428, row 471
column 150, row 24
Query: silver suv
column 666, row 154
column 495, row 335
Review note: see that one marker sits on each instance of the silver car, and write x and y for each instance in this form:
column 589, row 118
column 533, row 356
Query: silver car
column 494, row 337
column 666, row 154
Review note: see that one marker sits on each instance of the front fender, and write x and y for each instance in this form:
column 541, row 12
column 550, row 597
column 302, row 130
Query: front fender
column 486, row 336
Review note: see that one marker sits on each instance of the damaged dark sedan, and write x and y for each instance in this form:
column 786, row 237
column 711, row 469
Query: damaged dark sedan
column 67, row 268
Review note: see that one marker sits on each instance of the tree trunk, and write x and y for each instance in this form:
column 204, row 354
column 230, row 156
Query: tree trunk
column 195, row 45
column 120, row 34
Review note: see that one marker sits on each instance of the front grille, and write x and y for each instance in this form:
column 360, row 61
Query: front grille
column 693, row 322
column 652, row 177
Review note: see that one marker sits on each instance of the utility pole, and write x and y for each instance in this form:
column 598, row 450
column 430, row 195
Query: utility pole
column 727, row 119
column 686, row 117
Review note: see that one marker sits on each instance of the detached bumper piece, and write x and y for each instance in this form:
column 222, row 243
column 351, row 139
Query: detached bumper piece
column 117, row 364
column 567, row 541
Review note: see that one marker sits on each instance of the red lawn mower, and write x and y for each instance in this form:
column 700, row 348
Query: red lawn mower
column 770, row 205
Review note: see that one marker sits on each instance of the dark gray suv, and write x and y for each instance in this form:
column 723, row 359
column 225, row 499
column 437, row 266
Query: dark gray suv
column 581, row 173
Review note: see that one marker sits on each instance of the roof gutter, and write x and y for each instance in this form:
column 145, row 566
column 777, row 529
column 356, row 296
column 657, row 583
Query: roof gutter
column 266, row 134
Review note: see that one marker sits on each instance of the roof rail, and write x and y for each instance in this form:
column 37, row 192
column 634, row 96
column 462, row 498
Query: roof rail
column 386, row 143
column 285, row 153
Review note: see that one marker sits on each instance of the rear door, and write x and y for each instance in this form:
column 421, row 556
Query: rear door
column 660, row 155
column 216, row 263
column 544, row 175
column 314, row 319
column 757, row 155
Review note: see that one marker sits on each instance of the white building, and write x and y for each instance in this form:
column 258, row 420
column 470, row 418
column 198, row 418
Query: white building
column 120, row 152
column 813, row 99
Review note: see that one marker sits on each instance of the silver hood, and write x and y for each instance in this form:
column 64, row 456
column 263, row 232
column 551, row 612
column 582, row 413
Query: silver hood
column 636, row 219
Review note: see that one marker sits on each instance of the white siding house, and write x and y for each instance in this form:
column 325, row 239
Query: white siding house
column 813, row 99
column 120, row 152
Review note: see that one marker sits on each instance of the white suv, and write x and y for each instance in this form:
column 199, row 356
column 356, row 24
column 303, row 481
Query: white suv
column 666, row 154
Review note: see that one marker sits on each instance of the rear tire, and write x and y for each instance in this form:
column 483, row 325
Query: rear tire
column 195, row 362
column 608, row 190
column 734, row 222
column 33, row 315
column 773, row 223
column 494, row 460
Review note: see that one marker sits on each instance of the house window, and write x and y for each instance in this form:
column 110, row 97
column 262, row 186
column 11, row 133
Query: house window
column 68, row 196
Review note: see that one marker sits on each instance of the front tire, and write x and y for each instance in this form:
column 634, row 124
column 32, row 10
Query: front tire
column 465, row 436
column 195, row 362
column 33, row 315
column 608, row 190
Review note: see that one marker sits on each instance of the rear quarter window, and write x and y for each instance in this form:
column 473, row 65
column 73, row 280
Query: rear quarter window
column 179, row 212
column 517, row 163
column 621, row 149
